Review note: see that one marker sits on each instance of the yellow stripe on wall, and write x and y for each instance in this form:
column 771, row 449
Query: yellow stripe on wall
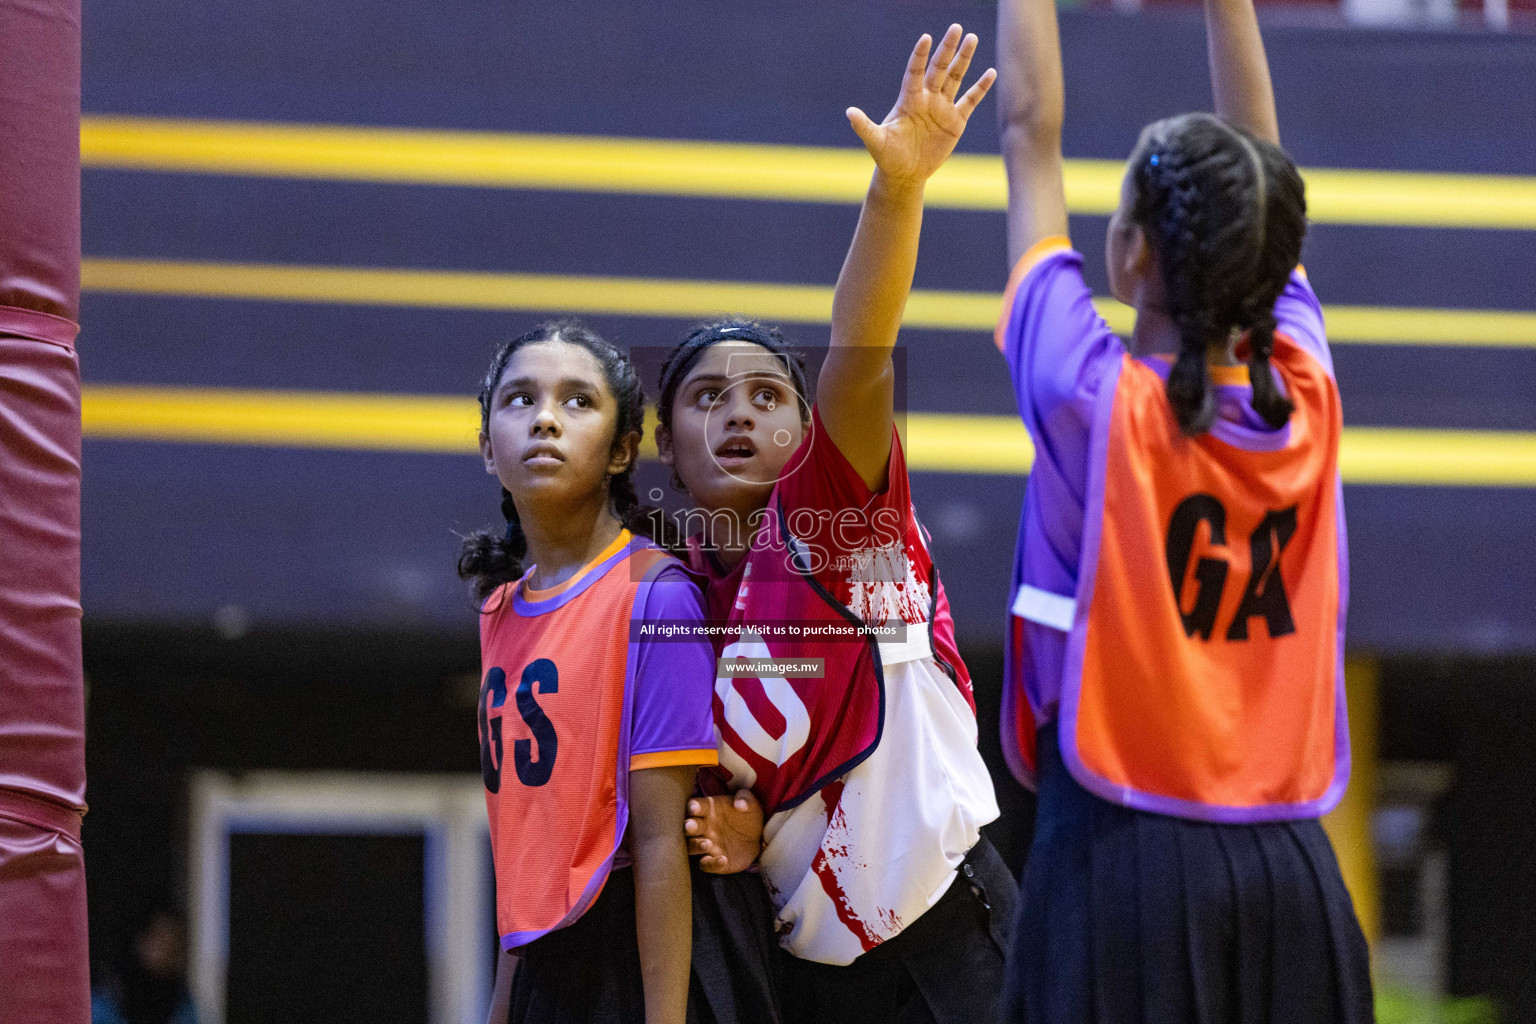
column 446, row 289
column 935, row 442
column 945, row 443
column 681, row 299
column 809, row 174
column 1473, row 458
column 281, row 419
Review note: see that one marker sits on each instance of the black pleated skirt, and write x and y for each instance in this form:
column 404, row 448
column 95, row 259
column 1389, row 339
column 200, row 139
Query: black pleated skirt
column 1129, row 917
column 589, row 973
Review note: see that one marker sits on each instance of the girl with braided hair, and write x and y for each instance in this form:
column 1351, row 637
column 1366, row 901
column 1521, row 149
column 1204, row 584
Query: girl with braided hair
column 1174, row 678
column 605, row 729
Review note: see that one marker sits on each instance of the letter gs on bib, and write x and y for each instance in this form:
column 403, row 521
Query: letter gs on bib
column 541, row 675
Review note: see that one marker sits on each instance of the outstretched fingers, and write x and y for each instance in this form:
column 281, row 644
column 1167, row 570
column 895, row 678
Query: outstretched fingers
column 912, row 78
column 921, row 130
column 976, row 93
column 959, row 66
column 938, row 68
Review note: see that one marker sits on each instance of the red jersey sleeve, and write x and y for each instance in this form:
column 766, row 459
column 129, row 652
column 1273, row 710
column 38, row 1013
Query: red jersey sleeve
column 864, row 547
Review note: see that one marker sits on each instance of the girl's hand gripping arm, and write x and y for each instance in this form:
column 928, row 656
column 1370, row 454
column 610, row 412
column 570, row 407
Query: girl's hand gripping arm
column 726, row 831
column 855, row 392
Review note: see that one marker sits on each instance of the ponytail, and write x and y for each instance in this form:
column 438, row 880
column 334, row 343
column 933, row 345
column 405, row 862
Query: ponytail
column 492, row 559
column 1189, row 387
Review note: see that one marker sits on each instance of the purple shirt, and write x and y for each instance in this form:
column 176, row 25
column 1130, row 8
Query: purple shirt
column 1059, row 352
column 672, row 720
column 674, row 680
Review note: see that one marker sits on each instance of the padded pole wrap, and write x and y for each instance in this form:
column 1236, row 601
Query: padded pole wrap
column 44, row 972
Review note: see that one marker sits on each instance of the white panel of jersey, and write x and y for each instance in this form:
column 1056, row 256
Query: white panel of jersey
column 855, row 864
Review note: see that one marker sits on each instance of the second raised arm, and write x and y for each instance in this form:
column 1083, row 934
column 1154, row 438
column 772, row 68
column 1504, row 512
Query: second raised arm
column 1239, row 69
column 1030, row 104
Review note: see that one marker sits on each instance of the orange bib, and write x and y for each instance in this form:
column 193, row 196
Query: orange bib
column 1204, row 669
column 554, row 737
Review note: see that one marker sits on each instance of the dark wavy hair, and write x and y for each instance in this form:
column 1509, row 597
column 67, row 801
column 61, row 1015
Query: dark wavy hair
column 491, row 558
column 1225, row 211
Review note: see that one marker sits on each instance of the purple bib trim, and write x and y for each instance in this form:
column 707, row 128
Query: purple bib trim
column 525, row 607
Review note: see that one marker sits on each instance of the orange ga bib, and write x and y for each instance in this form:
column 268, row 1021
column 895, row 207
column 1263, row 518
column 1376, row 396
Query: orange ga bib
column 1204, row 666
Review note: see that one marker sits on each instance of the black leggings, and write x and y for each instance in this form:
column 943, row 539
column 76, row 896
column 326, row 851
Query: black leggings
column 947, row 968
column 589, row 973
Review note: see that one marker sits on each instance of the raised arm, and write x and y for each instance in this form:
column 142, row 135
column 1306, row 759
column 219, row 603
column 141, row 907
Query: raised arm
column 1239, row 69
column 855, row 392
column 1029, row 115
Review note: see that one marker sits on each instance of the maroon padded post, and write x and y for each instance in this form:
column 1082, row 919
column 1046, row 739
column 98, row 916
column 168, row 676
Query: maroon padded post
column 44, row 973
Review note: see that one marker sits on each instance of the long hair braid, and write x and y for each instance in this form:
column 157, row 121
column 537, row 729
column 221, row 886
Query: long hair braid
column 1225, row 213
column 1283, row 224
column 642, row 520
column 1181, row 225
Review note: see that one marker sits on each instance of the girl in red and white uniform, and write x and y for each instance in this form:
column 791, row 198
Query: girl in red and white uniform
column 890, row 904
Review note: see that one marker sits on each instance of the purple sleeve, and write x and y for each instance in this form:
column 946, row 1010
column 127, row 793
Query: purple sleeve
column 1059, row 350
column 674, row 680
column 1300, row 318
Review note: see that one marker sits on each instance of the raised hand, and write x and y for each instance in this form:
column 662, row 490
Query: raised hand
column 927, row 121
column 728, row 831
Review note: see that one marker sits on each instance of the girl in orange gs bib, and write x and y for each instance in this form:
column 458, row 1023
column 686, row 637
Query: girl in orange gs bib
column 590, row 734
column 888, row 903
column 1175, row 653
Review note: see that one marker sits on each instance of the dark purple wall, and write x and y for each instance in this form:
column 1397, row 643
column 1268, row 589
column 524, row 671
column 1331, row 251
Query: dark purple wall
column 175, row 532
